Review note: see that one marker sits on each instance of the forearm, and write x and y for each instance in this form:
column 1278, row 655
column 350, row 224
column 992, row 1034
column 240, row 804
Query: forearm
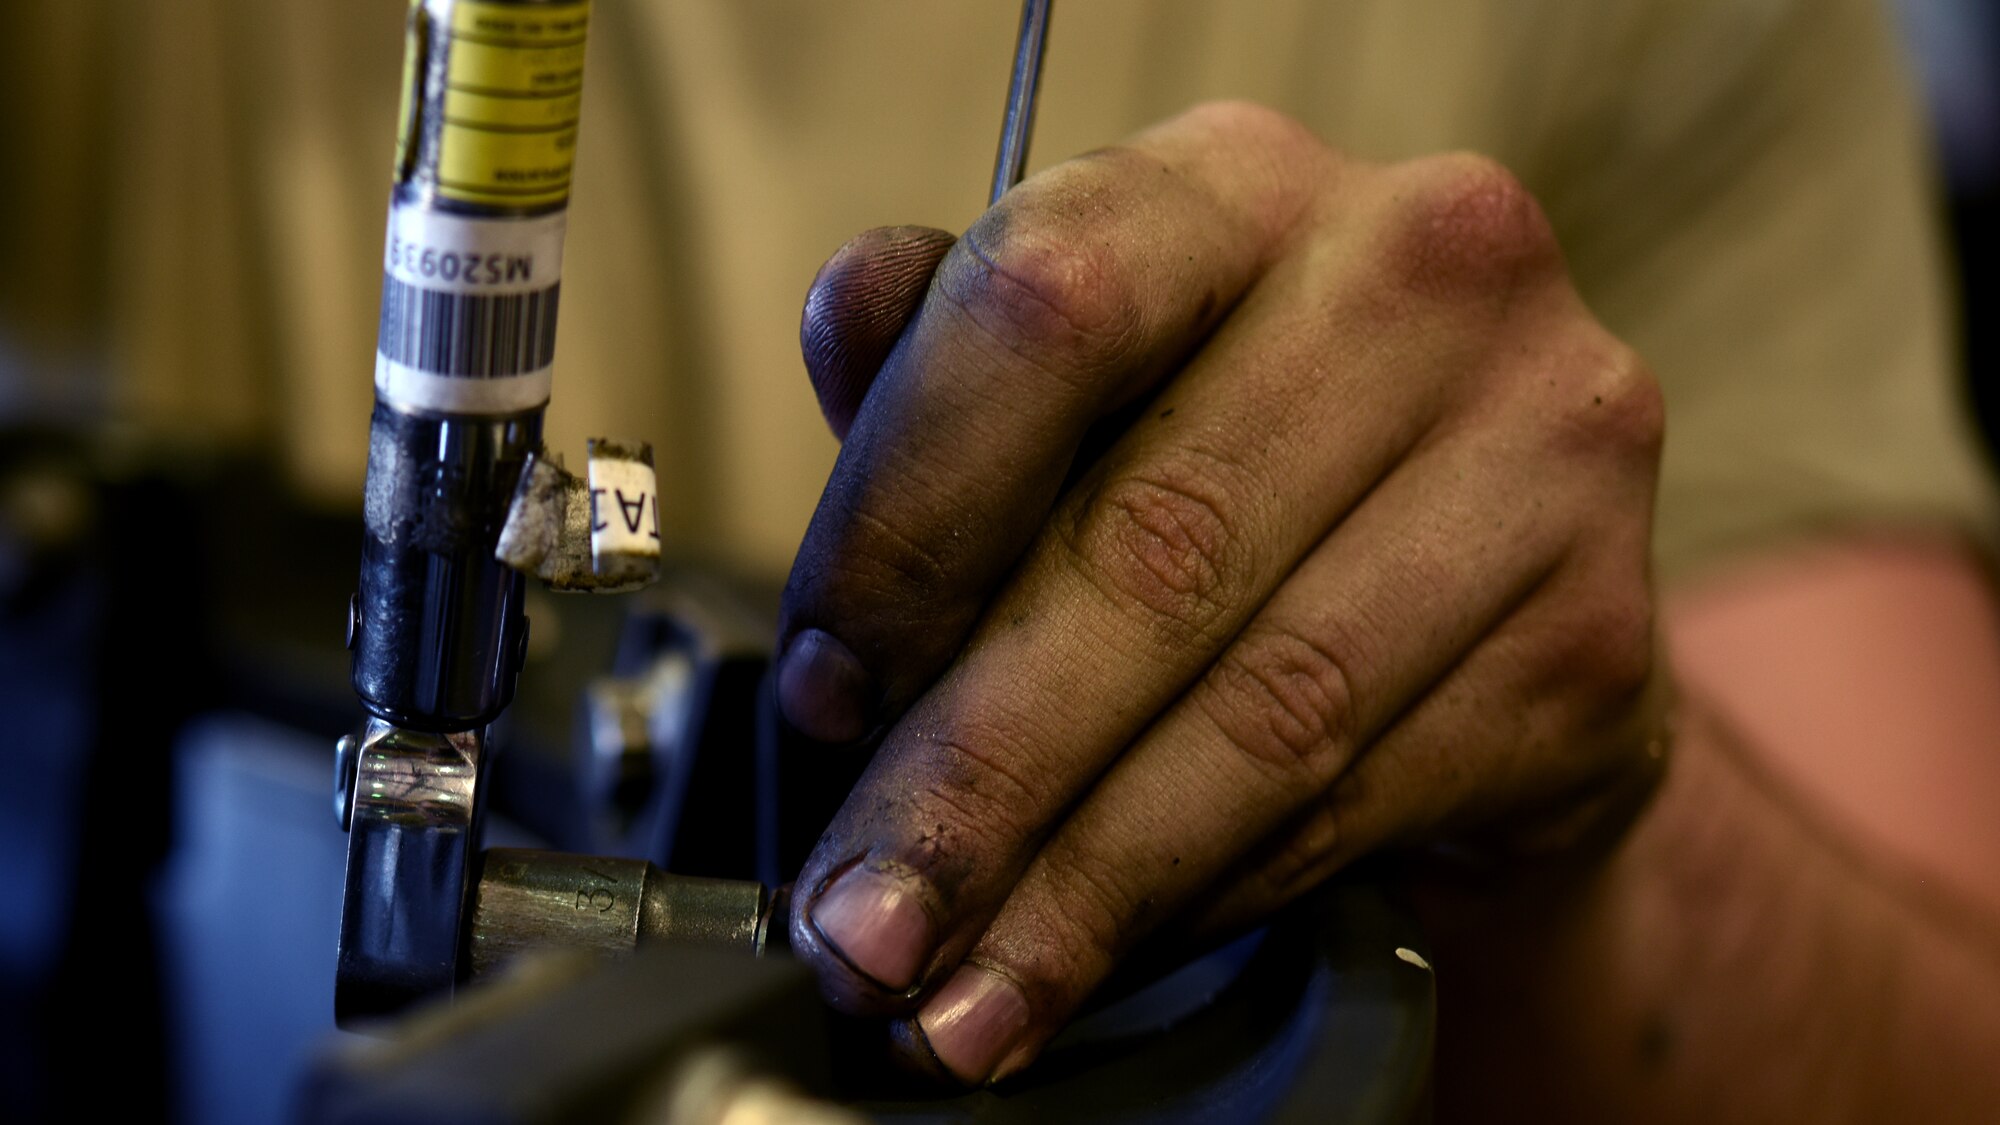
column 1735, row 959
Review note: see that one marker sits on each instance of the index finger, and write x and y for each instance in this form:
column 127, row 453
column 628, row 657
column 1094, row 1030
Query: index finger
column 1077, row 292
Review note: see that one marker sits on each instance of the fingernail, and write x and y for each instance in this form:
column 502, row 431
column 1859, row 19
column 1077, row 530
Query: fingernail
column 974, row 1022
column 876, row 924
column 822, row 688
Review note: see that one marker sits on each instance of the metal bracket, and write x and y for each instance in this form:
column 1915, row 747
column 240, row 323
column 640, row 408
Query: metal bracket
column 413, row 813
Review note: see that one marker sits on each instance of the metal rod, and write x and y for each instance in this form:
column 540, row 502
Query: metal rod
column 1019, row 126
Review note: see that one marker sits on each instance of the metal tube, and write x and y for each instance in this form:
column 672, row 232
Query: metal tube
column 535, row 900
column 472, row 269
column 471, row 273
column 1018, row 128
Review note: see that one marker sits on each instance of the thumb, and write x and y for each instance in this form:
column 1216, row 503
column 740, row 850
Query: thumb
column 856, row 309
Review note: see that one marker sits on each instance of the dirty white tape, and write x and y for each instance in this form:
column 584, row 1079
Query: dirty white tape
column 624, row 508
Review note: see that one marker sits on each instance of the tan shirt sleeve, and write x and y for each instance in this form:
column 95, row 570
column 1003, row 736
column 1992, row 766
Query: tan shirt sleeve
column 1760, row 223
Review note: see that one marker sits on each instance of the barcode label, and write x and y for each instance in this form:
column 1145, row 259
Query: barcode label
column 468, row 310
column 467, row 335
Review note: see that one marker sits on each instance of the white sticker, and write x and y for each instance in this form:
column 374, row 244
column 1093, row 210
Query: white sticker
column 624, row 508
column 407, row 387
column 468, row 317
column 451, row 253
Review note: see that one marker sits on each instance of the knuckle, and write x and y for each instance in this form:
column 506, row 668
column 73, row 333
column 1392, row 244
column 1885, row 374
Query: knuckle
column 1618, row 405
column 958, row 818
column 970, row 811
column 1286, row 703
column 875, row 559
column 986, row 773
column 1161, row 542
column 1100, row 907
column 1465, row 224
column 1254, row 123
column 1610, row 651
column 1307, row 855
column 1033, row 277
column 948, row 835
column 1624, row 651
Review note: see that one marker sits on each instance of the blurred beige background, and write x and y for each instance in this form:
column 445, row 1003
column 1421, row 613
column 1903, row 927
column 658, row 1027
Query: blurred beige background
column 197, row 194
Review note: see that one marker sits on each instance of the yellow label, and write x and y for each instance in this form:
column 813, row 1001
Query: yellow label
column 540, row 23
column 512, row 113
column 506, row 168
column 514, row 89
column 516, row 71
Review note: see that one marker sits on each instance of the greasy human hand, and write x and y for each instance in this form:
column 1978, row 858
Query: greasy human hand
column 1218, row 509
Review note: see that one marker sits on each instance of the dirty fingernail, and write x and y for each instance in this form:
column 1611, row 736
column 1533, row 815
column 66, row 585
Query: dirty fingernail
column 974, row 1022
column 876, row 924
column 822, row 688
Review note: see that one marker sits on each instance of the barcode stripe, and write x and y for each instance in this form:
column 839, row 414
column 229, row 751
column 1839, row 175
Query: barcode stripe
column 472, row 335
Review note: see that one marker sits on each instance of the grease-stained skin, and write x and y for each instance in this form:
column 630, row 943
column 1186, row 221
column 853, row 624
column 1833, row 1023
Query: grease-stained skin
column 1218, row 509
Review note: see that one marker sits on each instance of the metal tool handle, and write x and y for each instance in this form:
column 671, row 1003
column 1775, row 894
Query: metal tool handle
column 1018, row 128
